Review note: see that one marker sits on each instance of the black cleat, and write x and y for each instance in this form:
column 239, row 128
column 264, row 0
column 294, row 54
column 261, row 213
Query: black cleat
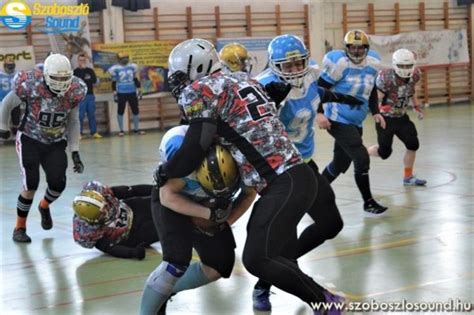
column 46, row 220
column 20, row 236
column 372, row 208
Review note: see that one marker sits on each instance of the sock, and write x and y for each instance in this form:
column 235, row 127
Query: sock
column 120, row 122
column 49, row 197
column 330, row 173
column 194, row 277
column 159, row 287
column 408, row 172
column 362, row 181
column 23, row 207
column 136, row 121
column 262, row 284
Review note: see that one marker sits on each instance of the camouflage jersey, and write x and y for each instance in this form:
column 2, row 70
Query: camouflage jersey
column 398, row 92
column 115, row 225
column 46, row 114
column 247, row 124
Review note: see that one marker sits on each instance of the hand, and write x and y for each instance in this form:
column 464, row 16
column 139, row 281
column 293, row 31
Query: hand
column 419, row 113
column 115, row 97
column 78, row 166
column 380, row 120
column 159, row 176
column 139, row 94
column 278, row 91
column 4, row 134
column 139, row 251
column 323, row 121
column 220, row 210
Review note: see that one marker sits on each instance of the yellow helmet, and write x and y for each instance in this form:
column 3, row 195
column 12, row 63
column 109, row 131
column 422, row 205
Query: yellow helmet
column 89, row 205
column 356, row 39
column 218, row 174
column 236, row 57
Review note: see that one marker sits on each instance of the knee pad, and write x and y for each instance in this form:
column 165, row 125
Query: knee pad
column 57, row 185
column 164, row 277
column 384, row 152
column 413, row 144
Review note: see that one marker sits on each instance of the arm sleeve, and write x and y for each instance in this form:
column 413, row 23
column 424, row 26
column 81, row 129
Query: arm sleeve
column 94, row 77
column 324, row 85
column 137, row 82
column 197, row 140
column 7, row 105
column 114, row 86
column 123, row 192
column 119, row 251
column 73, row 129
column 374, row 101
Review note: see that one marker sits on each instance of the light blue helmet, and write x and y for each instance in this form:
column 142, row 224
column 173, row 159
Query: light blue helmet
column 288, row 48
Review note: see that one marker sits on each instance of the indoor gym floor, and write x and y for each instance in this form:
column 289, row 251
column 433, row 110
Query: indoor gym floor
column 421, row 250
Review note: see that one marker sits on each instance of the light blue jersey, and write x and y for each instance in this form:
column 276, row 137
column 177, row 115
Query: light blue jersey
column 299, row 110
column 6, row 83
column 124, row 76
column 353, row 79
column 170, row 143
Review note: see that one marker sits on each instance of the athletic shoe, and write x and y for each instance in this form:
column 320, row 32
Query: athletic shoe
column 261, row 299
column 20, row 236
column 413, row 181
column 121, row 134
column 371, row 207
column 337, row 304
column 139, row 132
column 46, row 220
column 96, row 135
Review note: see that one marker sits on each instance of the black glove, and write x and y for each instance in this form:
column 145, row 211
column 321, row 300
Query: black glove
column 115, row 98
column 4, row 134
column 342, row 98
column 278, row 91
column 159, row 176
column 139, row 251
column 78, row 166
column 220, row 210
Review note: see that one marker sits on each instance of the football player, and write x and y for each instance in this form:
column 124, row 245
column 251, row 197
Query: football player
column 181, row 215
column 396, row 88
column 126, row 88
column 49, row 124
column 116, row 220
column 6, row 85
column 289, row 62
column 235, row 57
column 351, row 71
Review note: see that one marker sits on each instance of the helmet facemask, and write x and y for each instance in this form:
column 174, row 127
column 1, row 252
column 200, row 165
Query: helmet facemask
column 57, row 73
column 90, row 206
column 403, row 63
column 357, row 46
column 291, row 69
column 9, row 66
column 177, row 82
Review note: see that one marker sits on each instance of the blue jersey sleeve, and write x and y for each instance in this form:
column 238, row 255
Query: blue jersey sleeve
column 334, row 64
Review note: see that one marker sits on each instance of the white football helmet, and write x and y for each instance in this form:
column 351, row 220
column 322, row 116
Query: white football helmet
column 57, row 73
column 403, row 62
column 191, row 60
